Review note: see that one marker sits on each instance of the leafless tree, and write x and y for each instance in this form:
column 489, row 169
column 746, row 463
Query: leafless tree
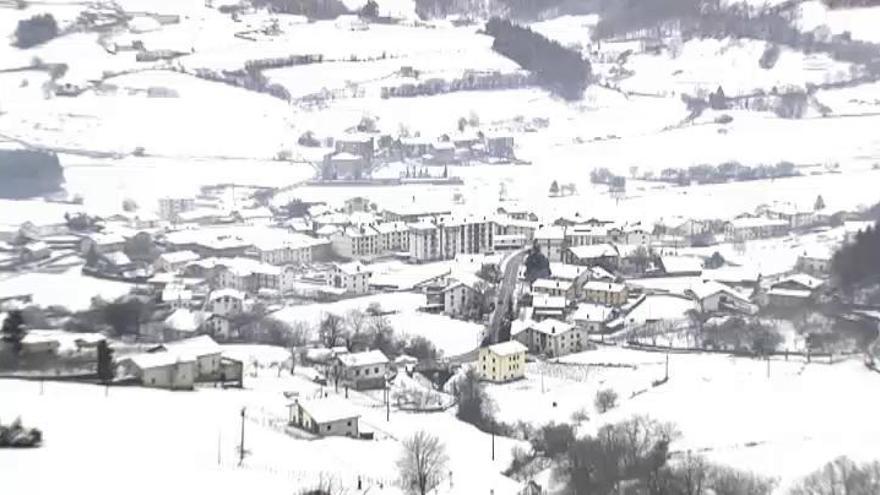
column 841, row 476
column 422, row 464
column 356, row 322
column 331, row 330
column 605, row 399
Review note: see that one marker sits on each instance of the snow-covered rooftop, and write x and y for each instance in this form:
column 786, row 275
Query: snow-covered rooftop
column 508, row 348
column 366, row 358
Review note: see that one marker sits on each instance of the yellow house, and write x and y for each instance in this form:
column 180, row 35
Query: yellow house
column 502, row 362
column 607, row 293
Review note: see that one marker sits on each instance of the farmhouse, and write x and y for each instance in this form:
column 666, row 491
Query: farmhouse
column 815, row 260
column 353, row 277
column 325, row 417
column 681, row 266
column 205, row 351
column 794, row 290
column 592, row 318
column 604, row 255
column 607, row 293
column 714, row 296
column 502, row 362
column 362, row 370
column 160, row 370
column 557, row 288
column 457, row 298
column 553, row 338
column 544, row 306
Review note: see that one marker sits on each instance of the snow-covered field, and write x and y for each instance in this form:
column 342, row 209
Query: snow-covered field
column 190, row 439
column 452, row 337
column 70, row 289
column 799, row 417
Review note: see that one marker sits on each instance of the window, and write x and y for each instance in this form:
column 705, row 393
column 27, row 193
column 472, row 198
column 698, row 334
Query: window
column 376, row 370
column 328, row 427
column 349, row 423
column 357, row 372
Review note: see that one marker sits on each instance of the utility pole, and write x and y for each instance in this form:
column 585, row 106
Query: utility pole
column 241, row 445
column 493, row 441
column 667, row 367
column 387, row 403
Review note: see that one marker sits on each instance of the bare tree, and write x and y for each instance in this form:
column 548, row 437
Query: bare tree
column 841, row 476
column 355, row 326
column 422, row 464
column 605, row 399
column 331, row 329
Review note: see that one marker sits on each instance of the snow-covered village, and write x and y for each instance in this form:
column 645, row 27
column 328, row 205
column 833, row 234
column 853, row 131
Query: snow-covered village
column 445, row 247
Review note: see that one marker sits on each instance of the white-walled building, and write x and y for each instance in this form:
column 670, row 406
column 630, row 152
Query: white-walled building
column 553, row 338
column 353, row 277
column 503, row 362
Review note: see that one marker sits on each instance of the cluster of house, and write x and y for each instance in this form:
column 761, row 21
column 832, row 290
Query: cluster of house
column 354, row 155
column 411, row 83
column 180, row 365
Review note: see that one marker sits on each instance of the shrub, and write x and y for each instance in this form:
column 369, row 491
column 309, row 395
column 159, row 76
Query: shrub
column 605, row 400
column 36, row 30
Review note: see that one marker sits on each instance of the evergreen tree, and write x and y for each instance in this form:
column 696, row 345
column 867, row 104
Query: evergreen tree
column 370, row 9
column 13, row 330
column 820, row 203
column 554, row 188
column 105, row 362
column 445, row 172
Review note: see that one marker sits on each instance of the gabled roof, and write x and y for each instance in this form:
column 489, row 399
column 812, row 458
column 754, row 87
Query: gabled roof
column 592, row 312
column 233, row 293
column 508, row 348
column 352, row 268
column 552, row 326
column 366, row 358
column 681, row 264
column 550, row 284
column 179, row 256
column 118, row 258
column 709, row 288
column 604, row 286
column 149, row 360
column 201, row 345
column 328, row 410
column 594, row 251
column 545, row 301
column 803, row 280
column 551, row 232
column 184, row 320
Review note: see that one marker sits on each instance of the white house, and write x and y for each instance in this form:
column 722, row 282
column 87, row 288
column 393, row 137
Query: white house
column 203, row 348
column 353, row 277
column 714, row 296
column 553, row 338
column 160, row 370
column 325, row 417
column 502, row 362
column 362, row 370
column 592, row 317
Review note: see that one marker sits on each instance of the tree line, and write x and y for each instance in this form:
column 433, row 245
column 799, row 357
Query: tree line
column 557, row 68
column 858, row 263
column 28, row 173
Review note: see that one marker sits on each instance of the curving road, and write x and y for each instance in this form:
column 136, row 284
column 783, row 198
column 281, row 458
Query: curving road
column 505, row 291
